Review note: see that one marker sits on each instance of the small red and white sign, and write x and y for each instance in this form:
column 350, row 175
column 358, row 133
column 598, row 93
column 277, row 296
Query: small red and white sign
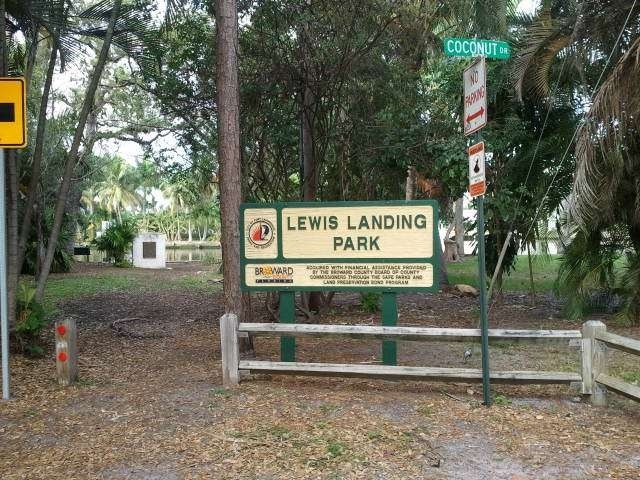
column 475, row 96
column 477, row 182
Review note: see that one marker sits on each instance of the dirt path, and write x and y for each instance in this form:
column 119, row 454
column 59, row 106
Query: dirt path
column 153, row 408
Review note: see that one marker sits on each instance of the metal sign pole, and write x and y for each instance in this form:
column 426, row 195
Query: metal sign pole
column 484, row 323
column 4, row 315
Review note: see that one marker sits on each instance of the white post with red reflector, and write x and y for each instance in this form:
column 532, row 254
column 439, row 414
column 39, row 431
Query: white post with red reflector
column 66, row 352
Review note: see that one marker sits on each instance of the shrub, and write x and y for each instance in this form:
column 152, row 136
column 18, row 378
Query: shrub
column 370, row 301
column 30, row 320
column 116, row 241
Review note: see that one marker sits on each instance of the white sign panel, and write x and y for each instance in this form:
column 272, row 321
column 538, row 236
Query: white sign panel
column 332, row 246
column 475, row 96
column 340, row 275
column 477, row 183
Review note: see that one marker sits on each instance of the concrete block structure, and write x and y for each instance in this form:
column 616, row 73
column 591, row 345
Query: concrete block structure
column 149, row 250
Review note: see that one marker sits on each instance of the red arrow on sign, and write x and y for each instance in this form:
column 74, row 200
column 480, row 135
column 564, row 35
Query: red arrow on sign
column 475, row 115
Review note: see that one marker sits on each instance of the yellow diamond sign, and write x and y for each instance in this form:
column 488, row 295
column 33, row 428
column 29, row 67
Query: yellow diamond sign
column 13, row 112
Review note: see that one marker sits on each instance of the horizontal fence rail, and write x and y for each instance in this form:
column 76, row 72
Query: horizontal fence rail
column 619, row 386
column 470, row 375
column 595, row 378
column 619, row 342
column 594, row 341
column 405, row 333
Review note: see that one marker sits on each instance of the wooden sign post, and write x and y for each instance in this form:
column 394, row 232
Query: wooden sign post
column 382, row 247
column 66, row 352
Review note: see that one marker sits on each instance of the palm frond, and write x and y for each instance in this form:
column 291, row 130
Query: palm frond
column 607, row 144
column 536, row 52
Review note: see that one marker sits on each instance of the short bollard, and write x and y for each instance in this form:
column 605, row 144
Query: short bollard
column 229, row 350
column 66, row 352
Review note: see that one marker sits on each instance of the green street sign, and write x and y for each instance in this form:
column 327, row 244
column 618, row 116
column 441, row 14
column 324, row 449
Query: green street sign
column 474, row 47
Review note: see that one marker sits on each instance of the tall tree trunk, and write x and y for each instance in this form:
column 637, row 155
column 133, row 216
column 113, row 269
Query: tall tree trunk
column 72, row 156
column 310, row 180
column 410, row 190
column 11, row 192
column 309, row 186
column 459, row 225
column 229, row 156
column 36, row 167
column 31, row 56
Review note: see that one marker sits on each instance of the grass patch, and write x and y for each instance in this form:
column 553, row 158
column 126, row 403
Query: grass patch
column 545, row 271
column 201, row 282
column 279, row 433
column 221, row 392
column 62, row 288
column 73, row 286
column 425, row 410
column 329, row 408
column 501, row 400
column 336, row 449
column 631, row 377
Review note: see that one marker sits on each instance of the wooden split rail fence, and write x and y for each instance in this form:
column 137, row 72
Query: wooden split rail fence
column 594, row 340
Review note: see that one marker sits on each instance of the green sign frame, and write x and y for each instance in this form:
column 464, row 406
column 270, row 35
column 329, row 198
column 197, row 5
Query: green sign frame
column 475, row 47
column 280, row 260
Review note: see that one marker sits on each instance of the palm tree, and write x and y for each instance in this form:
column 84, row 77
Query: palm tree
column 597, row 46
column 180, row 196
column 117, row 192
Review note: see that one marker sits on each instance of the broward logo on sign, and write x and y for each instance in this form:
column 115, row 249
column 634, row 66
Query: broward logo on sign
column 339, row 246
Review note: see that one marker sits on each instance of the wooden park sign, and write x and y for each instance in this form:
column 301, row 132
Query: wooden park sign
column 387, row 247
column 365, row 246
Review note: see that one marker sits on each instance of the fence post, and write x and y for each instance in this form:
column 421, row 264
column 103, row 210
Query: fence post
column 594, row 362
column 229, row 349
column 66, row 352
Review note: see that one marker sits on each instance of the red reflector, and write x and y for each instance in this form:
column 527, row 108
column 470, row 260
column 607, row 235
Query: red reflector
column 62, row 356
column 62, row 329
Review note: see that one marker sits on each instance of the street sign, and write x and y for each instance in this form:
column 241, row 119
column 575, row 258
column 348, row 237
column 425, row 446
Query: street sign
column 474, row 47
column 477, row 181
column 333, row 246
column 475, row 96
column 13, row 108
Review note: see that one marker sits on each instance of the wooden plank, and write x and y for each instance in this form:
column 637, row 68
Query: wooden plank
column 405, row 333
column 619, row 342
column 619, row 386
column 229, row 349
column 407, row 373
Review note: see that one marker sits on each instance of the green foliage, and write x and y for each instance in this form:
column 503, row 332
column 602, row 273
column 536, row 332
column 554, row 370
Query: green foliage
column 29, row 322
column 62, row 259
column 631, row 377
column 370, row 301
column 336, row 449
column 587, row 268
column 545, row 272
column 116, row 240
column 501, row 400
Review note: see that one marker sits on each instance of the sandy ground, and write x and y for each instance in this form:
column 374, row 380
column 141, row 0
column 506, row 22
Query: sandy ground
column 153, row 407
